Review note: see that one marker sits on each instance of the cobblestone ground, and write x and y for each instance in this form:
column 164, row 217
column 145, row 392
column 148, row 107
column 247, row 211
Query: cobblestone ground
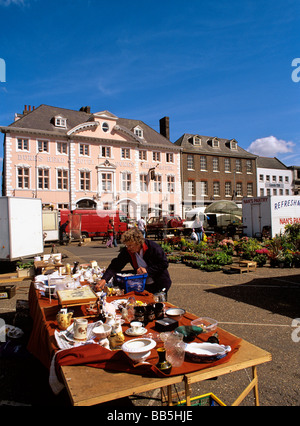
column 258, row 306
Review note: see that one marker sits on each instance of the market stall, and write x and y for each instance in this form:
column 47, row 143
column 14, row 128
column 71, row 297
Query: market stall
column 101, row 368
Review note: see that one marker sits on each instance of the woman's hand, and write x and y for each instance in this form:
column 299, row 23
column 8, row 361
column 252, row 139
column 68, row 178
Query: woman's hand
column 100, row 285
column 141, row 271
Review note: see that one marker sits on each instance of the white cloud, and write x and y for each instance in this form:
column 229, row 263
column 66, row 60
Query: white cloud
column 270, row 146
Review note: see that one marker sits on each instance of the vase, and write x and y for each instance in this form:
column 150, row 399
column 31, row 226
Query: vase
column 163, row 365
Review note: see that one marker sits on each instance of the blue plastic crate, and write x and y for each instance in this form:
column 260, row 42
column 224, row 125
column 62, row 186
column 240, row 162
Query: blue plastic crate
column 133, row 282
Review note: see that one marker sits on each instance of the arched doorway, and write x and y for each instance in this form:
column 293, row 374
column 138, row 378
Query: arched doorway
column 86, row 203
column 129, row 207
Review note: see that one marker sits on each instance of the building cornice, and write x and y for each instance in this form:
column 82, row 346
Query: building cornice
column 83, row 126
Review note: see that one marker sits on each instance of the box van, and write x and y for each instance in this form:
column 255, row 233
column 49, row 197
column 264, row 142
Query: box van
column 90, row 223
column 270, row 215
column 50, row 225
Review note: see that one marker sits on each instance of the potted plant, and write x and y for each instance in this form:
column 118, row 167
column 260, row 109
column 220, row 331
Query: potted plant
column 25, row 269
column 261, row 257
column 281, row 259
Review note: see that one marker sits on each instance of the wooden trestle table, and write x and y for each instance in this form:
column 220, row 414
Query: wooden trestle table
column 87, row 385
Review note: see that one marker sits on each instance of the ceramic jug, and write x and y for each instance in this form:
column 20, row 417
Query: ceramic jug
column 64, row 320
column 80, row 329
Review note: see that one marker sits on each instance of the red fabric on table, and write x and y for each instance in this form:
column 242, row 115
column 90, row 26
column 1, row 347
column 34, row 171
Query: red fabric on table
column 42, row 343
column 98, row 357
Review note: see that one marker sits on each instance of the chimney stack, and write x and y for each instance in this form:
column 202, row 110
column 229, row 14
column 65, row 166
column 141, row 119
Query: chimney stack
column 27, row 109
column 86, row 109
column 164, row 127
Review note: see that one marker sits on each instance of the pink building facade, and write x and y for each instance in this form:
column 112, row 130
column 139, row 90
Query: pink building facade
column 73, row 159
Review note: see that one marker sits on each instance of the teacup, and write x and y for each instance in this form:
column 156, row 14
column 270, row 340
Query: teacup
column 136, row 327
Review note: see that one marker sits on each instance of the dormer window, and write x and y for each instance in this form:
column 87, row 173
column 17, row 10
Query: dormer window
column 215, row 143
column 60, row 121
column 233, row 144
column 196, row 140
column 138, row 131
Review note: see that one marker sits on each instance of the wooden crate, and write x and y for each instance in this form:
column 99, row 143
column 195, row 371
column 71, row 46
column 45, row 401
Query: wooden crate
column 7, row 291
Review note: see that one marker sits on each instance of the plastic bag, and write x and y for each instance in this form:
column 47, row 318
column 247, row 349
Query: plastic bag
column 204, row 238
column 194, row 236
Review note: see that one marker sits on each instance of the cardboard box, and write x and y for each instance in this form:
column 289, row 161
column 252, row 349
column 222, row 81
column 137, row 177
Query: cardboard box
column 7, row 291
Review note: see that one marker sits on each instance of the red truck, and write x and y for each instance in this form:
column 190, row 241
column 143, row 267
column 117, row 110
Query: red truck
column 91, row 223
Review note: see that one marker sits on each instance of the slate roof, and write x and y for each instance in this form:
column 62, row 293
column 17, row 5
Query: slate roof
column 270, row 163
column 206, row 147
column 41, row 120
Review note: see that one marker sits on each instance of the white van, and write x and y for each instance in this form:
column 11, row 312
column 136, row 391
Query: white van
column 209, row 220
column 192, row 215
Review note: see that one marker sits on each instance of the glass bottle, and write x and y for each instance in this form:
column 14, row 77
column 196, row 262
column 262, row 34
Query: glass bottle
column 75, row 268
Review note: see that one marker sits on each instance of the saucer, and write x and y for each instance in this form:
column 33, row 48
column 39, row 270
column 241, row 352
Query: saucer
column 130, row 332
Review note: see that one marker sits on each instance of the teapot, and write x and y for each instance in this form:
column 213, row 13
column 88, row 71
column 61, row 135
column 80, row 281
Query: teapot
column 64, row 319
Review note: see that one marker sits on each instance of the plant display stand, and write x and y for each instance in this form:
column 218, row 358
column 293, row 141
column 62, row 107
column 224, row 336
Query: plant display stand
column 242, row 266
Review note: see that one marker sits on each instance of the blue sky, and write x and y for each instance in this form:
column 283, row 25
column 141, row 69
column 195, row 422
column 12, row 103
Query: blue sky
column 216, row 68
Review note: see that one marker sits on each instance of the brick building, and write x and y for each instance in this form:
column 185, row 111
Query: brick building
column 215, row 169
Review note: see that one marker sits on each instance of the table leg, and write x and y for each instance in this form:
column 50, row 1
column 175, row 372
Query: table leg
column 187, row 391
column 255, row 390
column 252, row 385
column 167, row 398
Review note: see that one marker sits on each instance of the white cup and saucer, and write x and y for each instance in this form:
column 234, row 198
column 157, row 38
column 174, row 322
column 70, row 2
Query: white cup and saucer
column 136, row 329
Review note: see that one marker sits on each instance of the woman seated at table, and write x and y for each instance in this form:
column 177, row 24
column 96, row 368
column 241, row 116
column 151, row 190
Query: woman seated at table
column 146, row 257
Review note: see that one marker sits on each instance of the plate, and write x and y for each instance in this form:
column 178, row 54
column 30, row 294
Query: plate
column 119, row 303
column 130, row 332
column 206, row 352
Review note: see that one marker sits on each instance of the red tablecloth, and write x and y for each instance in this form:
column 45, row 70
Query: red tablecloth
column 42, row 343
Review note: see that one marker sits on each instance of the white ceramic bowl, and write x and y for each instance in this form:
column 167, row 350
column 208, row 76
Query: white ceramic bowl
column 102, row 331
column 139, row 349
column 175, row 313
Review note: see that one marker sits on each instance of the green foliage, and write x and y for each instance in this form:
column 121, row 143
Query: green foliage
column 25, row 265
